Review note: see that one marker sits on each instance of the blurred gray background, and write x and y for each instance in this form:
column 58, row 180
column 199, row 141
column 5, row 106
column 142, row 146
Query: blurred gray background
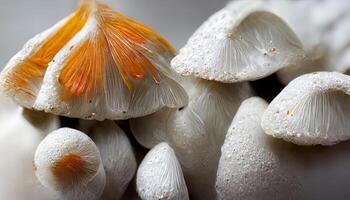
column 176, row 20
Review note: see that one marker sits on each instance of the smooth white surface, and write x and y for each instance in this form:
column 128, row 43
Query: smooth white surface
column 21, row 131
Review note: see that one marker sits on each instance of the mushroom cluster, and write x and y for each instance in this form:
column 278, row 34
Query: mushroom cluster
column 255, row 106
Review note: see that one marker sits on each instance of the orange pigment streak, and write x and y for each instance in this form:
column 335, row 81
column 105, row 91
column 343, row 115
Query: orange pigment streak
column 69, row 169
column 32, row 69
column 82, row 72
column 126, row 39
column 117, row 39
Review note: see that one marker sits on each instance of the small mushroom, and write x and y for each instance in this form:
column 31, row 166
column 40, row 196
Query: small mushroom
column 196, row 132
column 96, row 64
column 21, row 132
column 312, row 109
column 117, row 157
column 160, row 176
column 241, row 42
column 254, row 165
column 68, row 162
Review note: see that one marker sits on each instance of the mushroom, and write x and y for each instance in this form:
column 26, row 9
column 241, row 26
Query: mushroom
column 21, row 132
column 96, row 64
column 160, row 176
column 254, row 165
column 324, row 34
column 312, row 109
column 68, row 162
column 241, row 42
column 117, row 157
column 195, row 132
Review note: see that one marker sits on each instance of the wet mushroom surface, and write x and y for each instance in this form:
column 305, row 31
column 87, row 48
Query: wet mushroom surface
column 255, row 105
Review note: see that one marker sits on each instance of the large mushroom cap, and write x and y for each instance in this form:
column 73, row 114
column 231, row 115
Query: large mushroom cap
column 312, row 109
column 95, row 64
column 251, row 164
column 160, row 175
column 241, row 42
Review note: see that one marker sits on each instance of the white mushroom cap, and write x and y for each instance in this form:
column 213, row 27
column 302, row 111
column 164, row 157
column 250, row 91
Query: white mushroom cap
column 250, row 166
column 312, row 109
column 21, row 132
column 243, row 41
column 68, row 161
column 117, row 157
column 197, row 131
column 324, row 33
column 160, row 176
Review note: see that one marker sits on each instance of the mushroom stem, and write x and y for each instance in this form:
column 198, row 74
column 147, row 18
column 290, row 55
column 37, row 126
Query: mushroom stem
column 117, row 157
column 254, row 165
column 21, row 132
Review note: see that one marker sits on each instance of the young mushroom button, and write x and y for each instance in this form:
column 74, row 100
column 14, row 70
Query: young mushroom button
column 68, row 162
column 160, row 176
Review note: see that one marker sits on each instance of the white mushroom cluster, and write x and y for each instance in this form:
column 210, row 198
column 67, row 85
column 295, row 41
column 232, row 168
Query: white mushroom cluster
column 107, row 110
